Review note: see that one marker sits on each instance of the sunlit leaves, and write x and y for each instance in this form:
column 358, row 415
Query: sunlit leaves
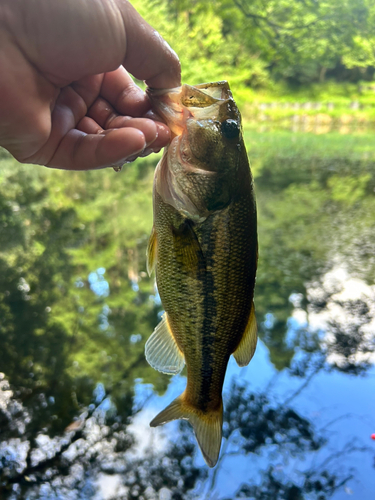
column 297, row 41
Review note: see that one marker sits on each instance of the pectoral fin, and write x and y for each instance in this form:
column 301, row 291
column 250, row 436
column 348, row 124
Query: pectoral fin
column 162, row 351
column 187, row 248
column 246, row 348
column 151, row 252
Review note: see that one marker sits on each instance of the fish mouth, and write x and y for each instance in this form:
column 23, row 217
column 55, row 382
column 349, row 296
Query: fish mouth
column 176, row 105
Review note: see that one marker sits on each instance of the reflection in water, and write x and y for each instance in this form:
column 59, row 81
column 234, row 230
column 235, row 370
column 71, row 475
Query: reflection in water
column 76, row 308
column 99, row 444
column 98, row 441
column 344, row 309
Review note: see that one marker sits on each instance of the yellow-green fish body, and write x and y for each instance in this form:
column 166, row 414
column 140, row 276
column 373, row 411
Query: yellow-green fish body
column 204, row 248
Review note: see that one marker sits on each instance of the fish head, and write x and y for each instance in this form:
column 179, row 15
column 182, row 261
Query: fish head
column 206, row 119
column 198, row 171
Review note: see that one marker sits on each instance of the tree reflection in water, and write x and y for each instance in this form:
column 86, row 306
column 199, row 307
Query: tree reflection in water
column 99, row 442
column 76, row 308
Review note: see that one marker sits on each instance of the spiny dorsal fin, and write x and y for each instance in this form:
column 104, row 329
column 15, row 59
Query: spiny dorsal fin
column 246, row 348
column 162, row 351
column 207, row 426
column 151, row 252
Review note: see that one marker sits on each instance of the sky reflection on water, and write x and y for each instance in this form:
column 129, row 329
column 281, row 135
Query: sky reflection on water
column 338, row 406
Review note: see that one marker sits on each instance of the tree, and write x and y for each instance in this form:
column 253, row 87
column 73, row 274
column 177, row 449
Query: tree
column 300, row 41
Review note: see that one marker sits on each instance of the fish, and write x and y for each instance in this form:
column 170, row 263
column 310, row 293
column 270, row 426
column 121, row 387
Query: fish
column 203, row 247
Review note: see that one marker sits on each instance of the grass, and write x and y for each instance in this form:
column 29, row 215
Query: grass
column 340, row 94
column 337, row 102
column 282, row 144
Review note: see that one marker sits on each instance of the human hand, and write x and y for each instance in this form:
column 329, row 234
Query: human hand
column 66, row 100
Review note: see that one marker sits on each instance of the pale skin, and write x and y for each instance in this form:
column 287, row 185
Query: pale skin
column 66, row 98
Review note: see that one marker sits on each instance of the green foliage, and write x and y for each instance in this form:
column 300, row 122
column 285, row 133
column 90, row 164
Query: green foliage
column 257, row 43
column 75, row 305
column 349, row 189
column 315, row 197
column 362, row 54
column 63, row 235
column 206, row 54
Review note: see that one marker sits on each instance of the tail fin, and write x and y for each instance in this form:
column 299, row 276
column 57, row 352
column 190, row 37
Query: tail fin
column 207, row 426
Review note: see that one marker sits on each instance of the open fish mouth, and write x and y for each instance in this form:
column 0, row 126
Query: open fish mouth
column 175, row 106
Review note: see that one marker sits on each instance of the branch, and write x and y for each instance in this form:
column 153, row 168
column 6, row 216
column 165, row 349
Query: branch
column 342, row 417
column 250, row 15
column 305, row 384
column 40, row 466
column 339, row 454
column 273, row 25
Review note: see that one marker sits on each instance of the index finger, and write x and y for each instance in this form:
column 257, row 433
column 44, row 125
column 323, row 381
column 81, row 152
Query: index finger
column 148, row 56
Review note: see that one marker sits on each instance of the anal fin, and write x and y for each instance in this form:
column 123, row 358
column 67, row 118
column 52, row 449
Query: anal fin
column 246, row 347
column 162, row 351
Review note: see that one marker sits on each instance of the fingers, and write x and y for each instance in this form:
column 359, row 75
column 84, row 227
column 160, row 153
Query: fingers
column 80, row 151
column 69, row 109
column 25, row 100
column 155, row 140
column 102, row 34
column 78, row 128
column 92, row 145
column 67, row 40
column 119, row 96
column 153, row 144
column 104, row 115
column 89, row 87
column 148, row 56
column 127, row 99
column 84, row 139
column 71, row 126
column 121, row 92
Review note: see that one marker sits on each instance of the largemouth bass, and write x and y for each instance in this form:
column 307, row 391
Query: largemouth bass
column 204, row 248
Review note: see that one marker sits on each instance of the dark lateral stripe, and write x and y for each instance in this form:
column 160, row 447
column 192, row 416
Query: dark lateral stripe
column 210, row 313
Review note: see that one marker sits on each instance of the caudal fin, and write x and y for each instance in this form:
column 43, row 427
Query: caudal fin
column 207, row 426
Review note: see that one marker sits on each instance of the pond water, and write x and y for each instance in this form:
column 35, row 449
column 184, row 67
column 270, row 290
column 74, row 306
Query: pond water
column 76, row 307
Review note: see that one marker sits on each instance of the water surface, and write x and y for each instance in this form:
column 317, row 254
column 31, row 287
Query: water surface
column 76, row 307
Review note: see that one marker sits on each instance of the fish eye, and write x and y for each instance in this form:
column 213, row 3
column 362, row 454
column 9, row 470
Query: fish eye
column 230, row 129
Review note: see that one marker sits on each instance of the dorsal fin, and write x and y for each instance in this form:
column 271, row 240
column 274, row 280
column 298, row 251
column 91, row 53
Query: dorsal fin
column 246, row 348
